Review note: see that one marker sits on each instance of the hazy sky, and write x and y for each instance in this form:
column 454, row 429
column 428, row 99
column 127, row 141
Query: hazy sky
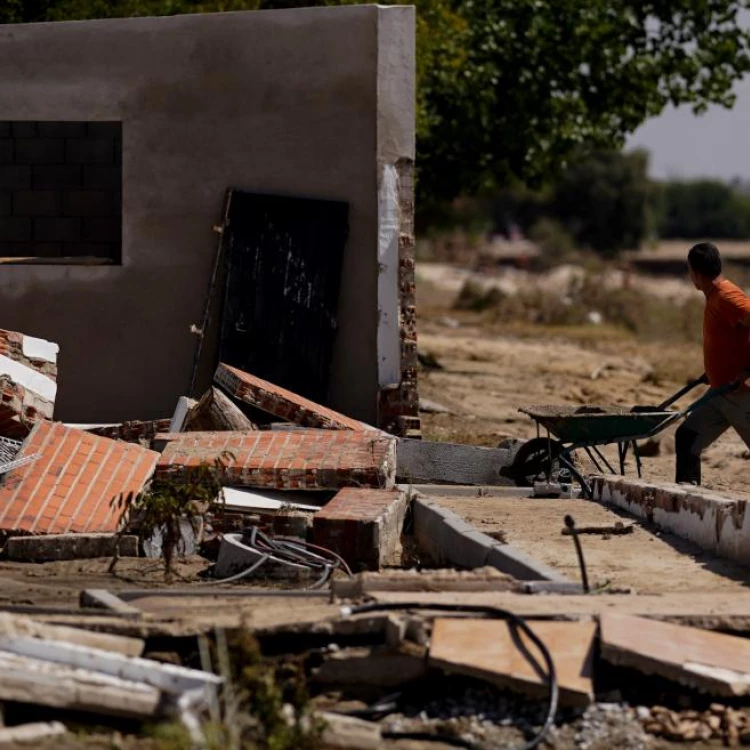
column 716, row 144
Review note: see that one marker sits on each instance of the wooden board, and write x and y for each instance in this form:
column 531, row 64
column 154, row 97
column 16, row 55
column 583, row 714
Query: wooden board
column 713, row 662
column 495, row 651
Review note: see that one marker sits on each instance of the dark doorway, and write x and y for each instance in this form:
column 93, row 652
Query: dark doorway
column 284, row 258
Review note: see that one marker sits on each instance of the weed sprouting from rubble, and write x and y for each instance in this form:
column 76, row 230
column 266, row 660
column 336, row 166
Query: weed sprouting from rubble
column 166, row 501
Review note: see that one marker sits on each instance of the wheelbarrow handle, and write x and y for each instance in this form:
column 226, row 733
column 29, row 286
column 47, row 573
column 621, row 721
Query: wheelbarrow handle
column 720, row 390
column 702, row 380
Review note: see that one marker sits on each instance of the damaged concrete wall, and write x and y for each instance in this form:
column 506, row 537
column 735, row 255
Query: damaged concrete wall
column 310, row 102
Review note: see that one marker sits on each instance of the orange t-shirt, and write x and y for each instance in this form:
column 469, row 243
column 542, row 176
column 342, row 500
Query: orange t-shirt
column 726, row 342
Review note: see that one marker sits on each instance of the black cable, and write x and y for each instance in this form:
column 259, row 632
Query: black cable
column 571, row 524
column 496, row 613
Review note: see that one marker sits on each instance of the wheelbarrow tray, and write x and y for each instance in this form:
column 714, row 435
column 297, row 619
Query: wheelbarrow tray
column 599, row 425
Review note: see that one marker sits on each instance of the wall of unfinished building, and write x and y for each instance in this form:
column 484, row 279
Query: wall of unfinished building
column 314, row 102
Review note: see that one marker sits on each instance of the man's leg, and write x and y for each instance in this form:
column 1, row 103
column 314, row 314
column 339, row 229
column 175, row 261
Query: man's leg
column 736, row 410
column 696, row 433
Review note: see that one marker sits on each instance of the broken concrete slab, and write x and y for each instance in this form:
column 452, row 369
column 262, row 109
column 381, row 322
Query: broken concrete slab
column 493, row 650
column 349, row 733
column 385, row 667
column 711, row 662
column 718, row 524
column 69, row 547
column 215, row 412
column 28, row 382
column 449, row 540
column 424, row 462
column 310, row 460
column 72, row 486
column 363, row 526
column 31, row 733
column 282, row 403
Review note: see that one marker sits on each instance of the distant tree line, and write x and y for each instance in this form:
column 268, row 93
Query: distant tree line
column 605, row 202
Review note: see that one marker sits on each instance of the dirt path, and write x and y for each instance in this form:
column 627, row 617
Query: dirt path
column 650, row 561
column 487, row 374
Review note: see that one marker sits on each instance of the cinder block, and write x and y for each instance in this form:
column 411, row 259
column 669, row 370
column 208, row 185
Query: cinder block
column 104, row 130
column 15, row 177
column 56, row 177
column 37, row 549
column 36, row 203
column 40, row 150
column 57, row 229
column 519, row 565
column 23, row 129
column 90, row 203
column 102, row 230
column 363, row 526
column 15, row 229
column 90, row 151
column 102, row 178
column 61, row 129
column 6, row 150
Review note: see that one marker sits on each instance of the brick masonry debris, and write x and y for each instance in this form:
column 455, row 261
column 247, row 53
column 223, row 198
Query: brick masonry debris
column 363, row 526
column 70, row 488
column 134, row 431
column 300, row 460
column 280, row 402
column 28, row 382
column 215, row 411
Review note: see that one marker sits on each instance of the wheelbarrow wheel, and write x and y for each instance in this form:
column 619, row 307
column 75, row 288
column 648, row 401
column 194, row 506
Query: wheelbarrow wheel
column 538, row 457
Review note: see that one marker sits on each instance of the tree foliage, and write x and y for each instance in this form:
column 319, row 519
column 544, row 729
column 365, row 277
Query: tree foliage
column 509, row 89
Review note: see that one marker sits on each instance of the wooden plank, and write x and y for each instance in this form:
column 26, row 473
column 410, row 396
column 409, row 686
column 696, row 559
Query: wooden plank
column 494, row 650
column 40, row 682
column 216, row 412
column 24, row 626
column 712, row 662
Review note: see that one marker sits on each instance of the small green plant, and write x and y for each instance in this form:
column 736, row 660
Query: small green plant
column 166, row 501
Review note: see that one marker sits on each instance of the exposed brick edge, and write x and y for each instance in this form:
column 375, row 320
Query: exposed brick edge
column 398, row 408
column 281, row 402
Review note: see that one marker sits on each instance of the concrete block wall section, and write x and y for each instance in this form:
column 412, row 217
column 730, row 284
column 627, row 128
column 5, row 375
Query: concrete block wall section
column 363, row 526
column 717, row 524
column 303, row 460
column 451, row 541
column 50, row 205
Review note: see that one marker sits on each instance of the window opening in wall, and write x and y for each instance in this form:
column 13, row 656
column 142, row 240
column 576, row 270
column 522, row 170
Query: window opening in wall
column 61, row 192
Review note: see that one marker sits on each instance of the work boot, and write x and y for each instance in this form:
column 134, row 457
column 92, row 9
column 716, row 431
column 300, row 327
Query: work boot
column 688, row 465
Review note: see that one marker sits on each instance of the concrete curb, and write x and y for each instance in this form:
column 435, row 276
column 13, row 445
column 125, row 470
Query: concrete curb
column 473, row 491
column 448, row 539
column 717, row 524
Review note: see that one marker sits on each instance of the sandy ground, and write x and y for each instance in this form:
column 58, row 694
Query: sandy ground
column 489, row 372
column 647, row 560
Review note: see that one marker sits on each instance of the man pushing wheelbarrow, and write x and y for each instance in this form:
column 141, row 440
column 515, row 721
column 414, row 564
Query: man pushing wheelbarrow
column 726, row 357
column 726, row 349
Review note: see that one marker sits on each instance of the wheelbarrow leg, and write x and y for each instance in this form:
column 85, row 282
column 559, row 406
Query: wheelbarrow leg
column 622, row 449
column 593, row 460
column 567, row 462
column 637, row 454
column 604, row 460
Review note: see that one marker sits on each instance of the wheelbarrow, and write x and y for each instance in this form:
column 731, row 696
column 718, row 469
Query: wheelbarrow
column 589, row 428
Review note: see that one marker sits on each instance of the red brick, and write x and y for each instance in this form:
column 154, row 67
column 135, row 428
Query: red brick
column 363, row 526
column 71, row 486
column 282, row 403
column 283, row 460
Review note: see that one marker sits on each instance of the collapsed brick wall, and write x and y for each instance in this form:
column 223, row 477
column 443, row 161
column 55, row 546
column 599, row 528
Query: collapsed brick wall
column 60, row 189
column 398, row 408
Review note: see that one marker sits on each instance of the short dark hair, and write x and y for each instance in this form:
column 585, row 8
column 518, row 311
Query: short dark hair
column 704, row 259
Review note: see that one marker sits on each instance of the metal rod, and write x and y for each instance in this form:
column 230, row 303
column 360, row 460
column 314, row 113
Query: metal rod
column 702, row 380
column 593, row 459
column 637, row 454
column 604, row 460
